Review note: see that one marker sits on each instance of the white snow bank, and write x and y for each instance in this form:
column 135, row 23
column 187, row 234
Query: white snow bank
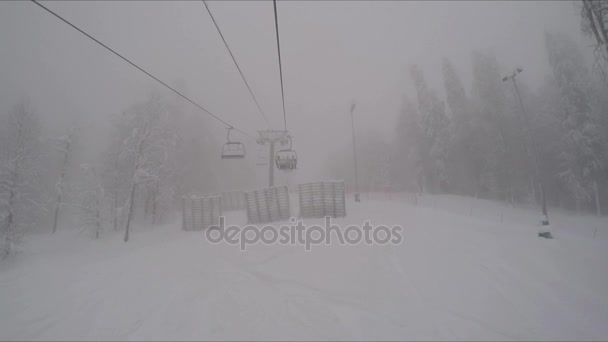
column 453, row 277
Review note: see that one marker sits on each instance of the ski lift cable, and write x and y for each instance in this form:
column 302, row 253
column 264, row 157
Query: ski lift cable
column 139, row 68
column 276, row 23
column 236, row 64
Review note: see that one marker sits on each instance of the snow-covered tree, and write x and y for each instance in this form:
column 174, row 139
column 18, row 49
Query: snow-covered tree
column 594, row 14
column 435, row 130
column 503, row 154
column 462, row 161
column 116, row 169
column 19, row 132
column 545, row 129
column 583, row 149
column 64, row 145
column 406, row 168
column 149, row 150
column 91, row 199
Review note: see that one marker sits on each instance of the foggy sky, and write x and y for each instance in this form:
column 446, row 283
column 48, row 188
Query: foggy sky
column 333, row 52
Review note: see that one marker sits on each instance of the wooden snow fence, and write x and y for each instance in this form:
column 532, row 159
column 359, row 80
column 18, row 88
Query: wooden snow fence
column 201, row 212
column 267, row 205
column 322, row 199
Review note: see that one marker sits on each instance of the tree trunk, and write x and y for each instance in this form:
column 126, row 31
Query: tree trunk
column 147, row 201
column 59, row 198
column 424, row 185
column 533, row 190
column 130, row 214
column 115, row 210
column 97, row 216
column 133, row 185
column 116, row 192
column 598, row 208
column 154, row 211
column 9, row 224
column 10, row 220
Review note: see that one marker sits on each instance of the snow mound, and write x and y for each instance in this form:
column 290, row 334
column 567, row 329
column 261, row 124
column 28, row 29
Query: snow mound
column 455, row 276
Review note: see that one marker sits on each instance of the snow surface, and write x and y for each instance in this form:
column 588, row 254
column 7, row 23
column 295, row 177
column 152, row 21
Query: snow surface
column 467, row 269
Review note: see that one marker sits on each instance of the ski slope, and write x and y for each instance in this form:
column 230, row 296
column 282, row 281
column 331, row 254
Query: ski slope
column 457, row 275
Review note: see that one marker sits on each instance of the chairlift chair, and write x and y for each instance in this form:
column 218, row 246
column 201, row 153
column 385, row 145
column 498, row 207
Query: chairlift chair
column 233, row 149
column 286, row 159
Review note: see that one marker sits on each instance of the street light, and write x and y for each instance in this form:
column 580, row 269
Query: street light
column 512, row 77
column 530, row 150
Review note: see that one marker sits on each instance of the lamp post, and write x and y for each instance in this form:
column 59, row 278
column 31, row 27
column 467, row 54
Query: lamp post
column 530, row 149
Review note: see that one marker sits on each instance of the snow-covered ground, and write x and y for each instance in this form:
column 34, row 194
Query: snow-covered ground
column 466, row 269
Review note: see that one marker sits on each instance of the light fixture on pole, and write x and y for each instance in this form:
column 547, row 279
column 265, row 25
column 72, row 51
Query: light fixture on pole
column 530, row 150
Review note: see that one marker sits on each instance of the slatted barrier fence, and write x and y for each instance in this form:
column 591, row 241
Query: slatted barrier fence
column 322, row 199
column 267, row 205
column 200, row 212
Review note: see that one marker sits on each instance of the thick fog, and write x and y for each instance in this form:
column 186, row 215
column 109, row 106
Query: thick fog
column 333, row 53
column 395, row 170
